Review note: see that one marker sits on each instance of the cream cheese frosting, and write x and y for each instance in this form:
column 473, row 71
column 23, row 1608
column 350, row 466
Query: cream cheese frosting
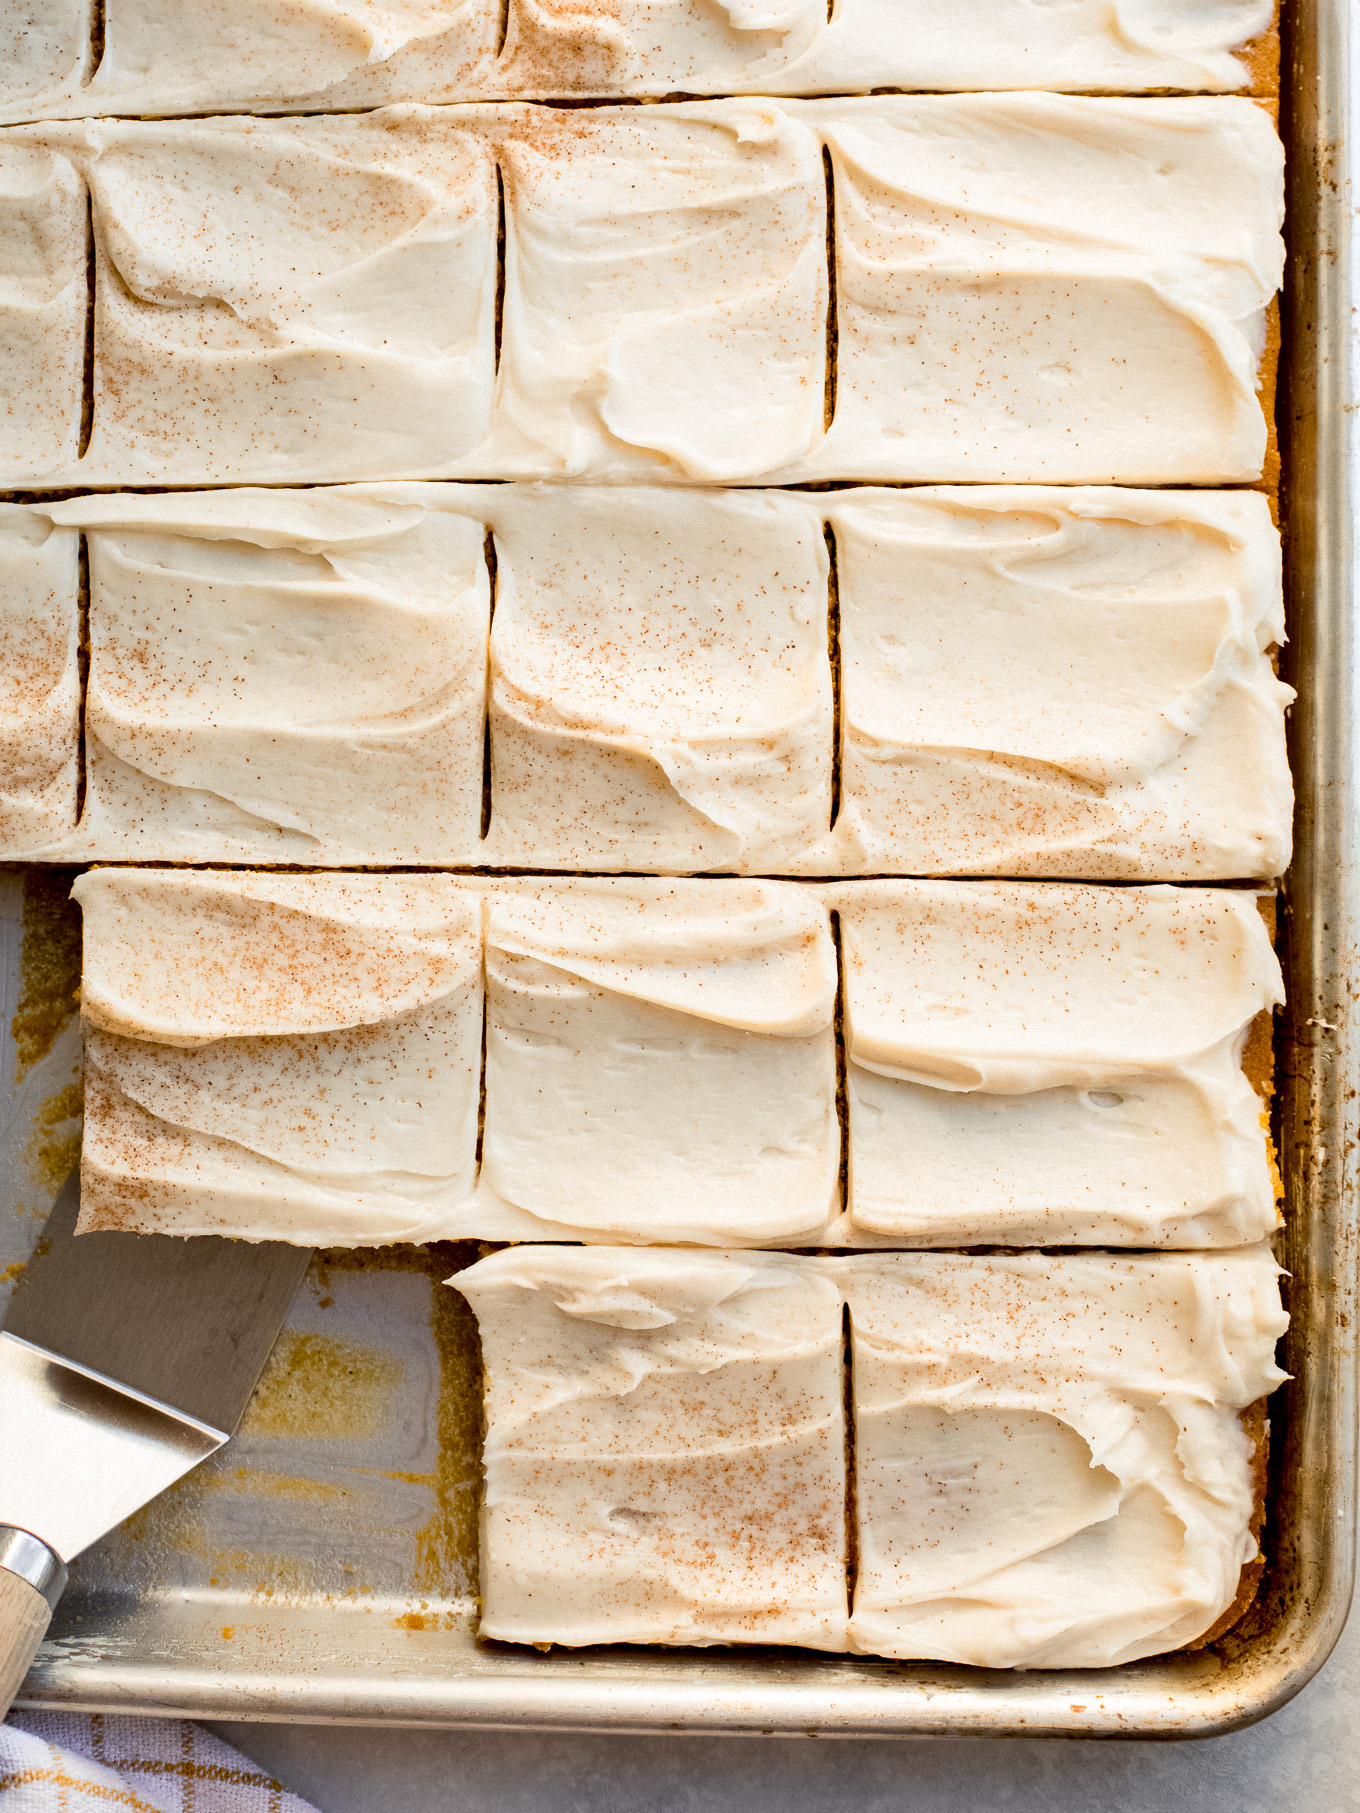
column 290, row 55
column 281, row 300
column 1050, row 1463
column 284, row 1057
column 665, row 1448
column 43, row 298
column 660, row 1064
column 300, row 1057
column 1036, row 287
column 1000, row 44
column 665, row 293
column 160, row 57
column 39, row 681
column 44, row 54
column 1033, row 680
column 791, row 47
column 661, row 693
column 294, row 676
column 1050, row 1469
column 1060, row 682
column 1032, row 287
column 656, row 1061
column 1050, row 1064
column 659, row 47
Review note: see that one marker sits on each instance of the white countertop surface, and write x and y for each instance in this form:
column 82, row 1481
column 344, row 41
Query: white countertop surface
column 1307, row 1757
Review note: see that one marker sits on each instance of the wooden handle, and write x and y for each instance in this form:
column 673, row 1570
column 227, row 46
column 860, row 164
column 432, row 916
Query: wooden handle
column 24, row 1617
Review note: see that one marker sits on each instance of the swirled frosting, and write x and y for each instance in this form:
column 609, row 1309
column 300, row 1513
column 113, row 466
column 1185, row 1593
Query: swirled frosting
column 43, row 298
column 1025, row 1062
column 306, row 55
column 293, row 676
column 288, row 299
column 1032, row 287
column 1050, row 1470
column 290, row 55
column 665, row 1448
column 660, row 1064
column 1047, row 1063
column 281, row 1057
column 1035, row 287
column 789, row 47
column 665, row 293
column 661, row 694
column 657, row 47
column 300, row 1057
column 1050, row 1464
column 267, row 56
column 1032, row 680
column 44, row 54
column 1059, row 682
column 39, row 681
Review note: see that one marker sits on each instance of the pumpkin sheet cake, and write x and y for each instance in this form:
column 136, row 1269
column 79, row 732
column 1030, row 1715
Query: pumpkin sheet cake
column 656, row 624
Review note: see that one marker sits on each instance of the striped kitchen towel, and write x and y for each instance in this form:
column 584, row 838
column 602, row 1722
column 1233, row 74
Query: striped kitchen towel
column 92, row 1762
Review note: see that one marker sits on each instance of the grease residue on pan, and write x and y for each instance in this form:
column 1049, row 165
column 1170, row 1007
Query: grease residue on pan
column 49, row 966
column 354, row 1476
column 41, row 1067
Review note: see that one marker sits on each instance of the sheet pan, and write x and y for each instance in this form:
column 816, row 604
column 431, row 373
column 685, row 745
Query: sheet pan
column 323, row 1566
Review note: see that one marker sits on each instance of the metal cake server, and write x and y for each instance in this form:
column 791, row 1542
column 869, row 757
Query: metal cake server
column 125, row 1360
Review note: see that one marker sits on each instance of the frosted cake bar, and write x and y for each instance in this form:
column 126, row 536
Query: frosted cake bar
column 1047, row 1064
column 1052, row 1466
column 661, row 694
column 280, row 300
column 314, row 54
column 302, row 56
column 299, row 1057
column 1058, row 1462
column 665, row 292
column 1029, row 287
column 286, row 1057
column 39, row 681
column 286, row 299
column 284, row 676
column 1060, row 682
column 660, row 1064
column 665, row 1448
